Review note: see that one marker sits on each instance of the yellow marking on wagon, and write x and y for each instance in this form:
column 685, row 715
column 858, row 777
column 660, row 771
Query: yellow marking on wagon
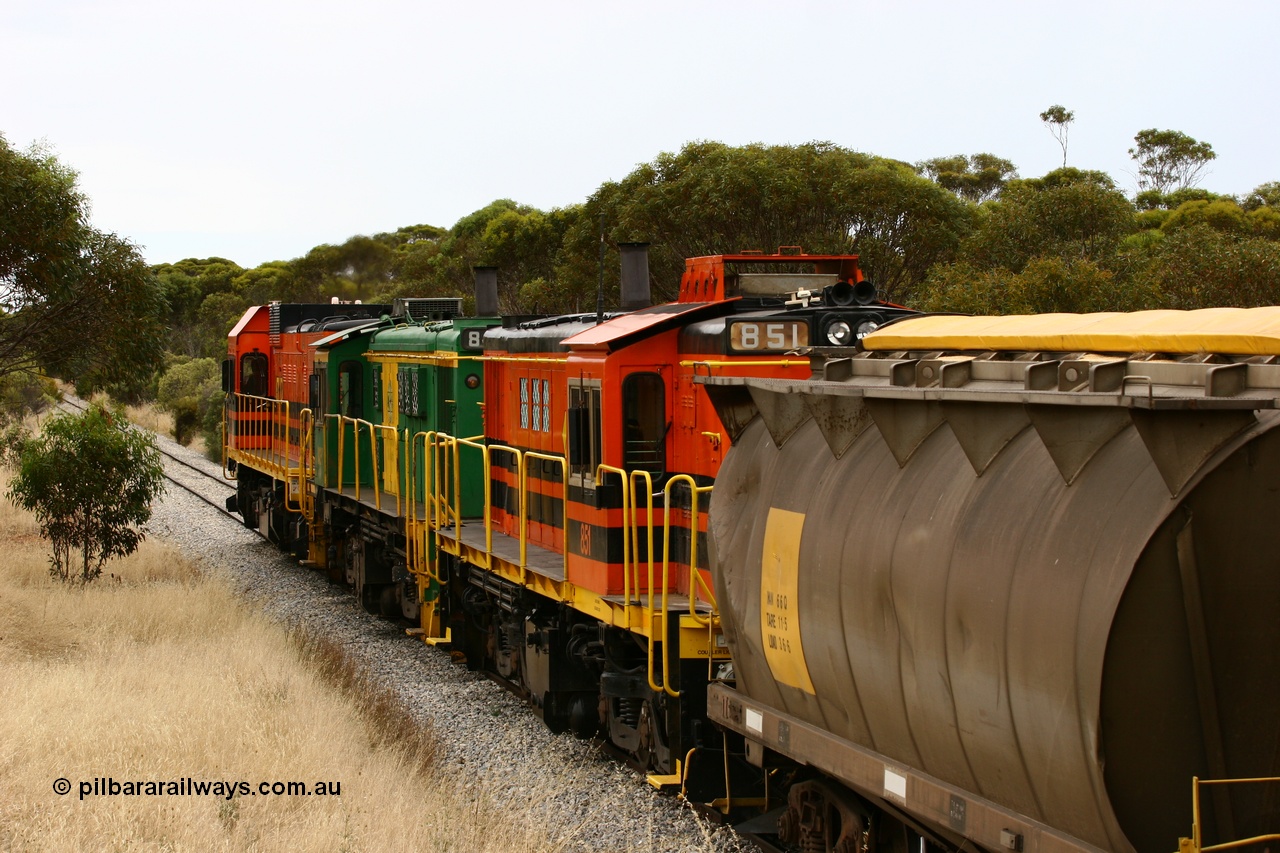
column 780, row 599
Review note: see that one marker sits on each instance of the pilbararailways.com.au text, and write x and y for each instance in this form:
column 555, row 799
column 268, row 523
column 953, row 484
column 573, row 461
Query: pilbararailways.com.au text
column 108, row 787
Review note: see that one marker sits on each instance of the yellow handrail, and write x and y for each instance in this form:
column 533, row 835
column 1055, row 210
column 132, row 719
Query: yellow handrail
column 524, row 502
column 355, row 434
column 301, row 472
column 626, row 538
column 485, row 451
column 695, row 577
column 745, row 362
column 1194, row 843
column 416, row 533
column 373, row 452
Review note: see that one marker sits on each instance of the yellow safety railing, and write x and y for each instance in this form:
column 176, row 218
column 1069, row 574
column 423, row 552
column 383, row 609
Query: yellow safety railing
column 258, row 429
column 418, row 532
column 695, row 578
column 379, row 488
column 373, row 429
column 303, row 472
column 1194, row 843
column 627, row 586
column 524, row 501
column 454, row 475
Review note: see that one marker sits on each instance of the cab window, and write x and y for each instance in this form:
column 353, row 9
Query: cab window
column 584, row 432
column 644, row 423
column 253, row 374
column 350, row 390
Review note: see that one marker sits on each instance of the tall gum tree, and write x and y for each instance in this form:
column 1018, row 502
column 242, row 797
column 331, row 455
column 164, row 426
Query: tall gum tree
column 77, row 302
column 712, row 198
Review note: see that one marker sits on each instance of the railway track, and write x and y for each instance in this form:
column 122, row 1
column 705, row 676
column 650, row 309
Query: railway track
column 189, row 477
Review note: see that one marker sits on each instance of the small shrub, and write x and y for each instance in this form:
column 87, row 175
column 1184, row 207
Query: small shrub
column 90, row 480
column 191, row 389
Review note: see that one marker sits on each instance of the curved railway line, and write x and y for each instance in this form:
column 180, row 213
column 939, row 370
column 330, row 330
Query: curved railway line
column 185, row 481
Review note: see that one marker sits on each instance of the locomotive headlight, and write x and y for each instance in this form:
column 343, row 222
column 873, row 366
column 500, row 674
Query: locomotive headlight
column 839, row 334
column 866, row 327
column 473, row 381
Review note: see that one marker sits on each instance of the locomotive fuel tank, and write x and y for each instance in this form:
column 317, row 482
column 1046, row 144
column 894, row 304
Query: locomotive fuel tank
column 1049, row 583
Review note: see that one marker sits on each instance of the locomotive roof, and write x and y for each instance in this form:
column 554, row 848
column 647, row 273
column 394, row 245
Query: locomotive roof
column 341, row 335
column 1236, row 331
column 542, row 335
column 621, row 330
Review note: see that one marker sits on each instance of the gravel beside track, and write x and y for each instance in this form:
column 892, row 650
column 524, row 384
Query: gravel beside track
column 491, row 745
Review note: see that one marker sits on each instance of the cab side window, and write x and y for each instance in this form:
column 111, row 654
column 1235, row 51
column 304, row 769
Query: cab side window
column 350, row 390
column 253, row 374
column 644, row 423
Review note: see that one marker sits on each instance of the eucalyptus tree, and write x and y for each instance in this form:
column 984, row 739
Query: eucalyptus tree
column 1058, row 120
column 712, row 198
column 73, row 300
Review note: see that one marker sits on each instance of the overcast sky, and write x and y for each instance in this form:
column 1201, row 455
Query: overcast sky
column 257, row 130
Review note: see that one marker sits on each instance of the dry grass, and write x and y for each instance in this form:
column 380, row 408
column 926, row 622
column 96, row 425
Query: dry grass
column 148, row 415
column 155, row 674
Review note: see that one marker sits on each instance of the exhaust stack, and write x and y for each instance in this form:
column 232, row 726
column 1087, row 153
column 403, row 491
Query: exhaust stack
column 486, row 291
column 635, row 276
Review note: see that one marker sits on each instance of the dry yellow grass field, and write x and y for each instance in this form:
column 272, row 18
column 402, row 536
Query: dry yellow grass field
column 155, row 674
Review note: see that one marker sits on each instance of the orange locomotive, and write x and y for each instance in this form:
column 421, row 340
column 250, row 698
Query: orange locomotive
column 561, row 546
column 584, row 585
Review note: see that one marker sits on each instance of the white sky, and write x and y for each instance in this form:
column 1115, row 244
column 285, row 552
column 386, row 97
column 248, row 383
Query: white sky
column 257, row 129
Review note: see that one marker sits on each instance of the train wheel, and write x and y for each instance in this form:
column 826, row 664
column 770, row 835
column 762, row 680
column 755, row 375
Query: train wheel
column 388, row 604
column 584, row 716
column 370, row 598
column 645, row 746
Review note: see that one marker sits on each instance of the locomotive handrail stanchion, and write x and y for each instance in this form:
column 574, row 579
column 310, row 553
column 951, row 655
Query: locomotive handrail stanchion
column 666, row 562
column 310, row 467
column 355, row 438
column 1194, row 844
column 430, row 512
column 647, row 479
column 695, row 579
column 486, row 458
column 373, row 462
column 339, row 440
column 524, row 493
column 228, row 406
column 374, row 430
column 290, row 472
column 520, row 491
column 635, row 527
column 626, row 540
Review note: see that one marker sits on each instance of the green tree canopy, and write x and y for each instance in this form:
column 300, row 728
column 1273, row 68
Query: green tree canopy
column 73, row 300
column 1267, row 195
column 713, row 198
column 1058, row 119
column 99, row 516
column 191, row 390
column 186, row 285
column 1199, row 266
column 975, row 177
column 1069, row 214
column 1169, row 160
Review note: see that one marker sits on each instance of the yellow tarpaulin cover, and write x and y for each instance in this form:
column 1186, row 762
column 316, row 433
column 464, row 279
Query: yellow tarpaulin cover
column 1230, row 331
